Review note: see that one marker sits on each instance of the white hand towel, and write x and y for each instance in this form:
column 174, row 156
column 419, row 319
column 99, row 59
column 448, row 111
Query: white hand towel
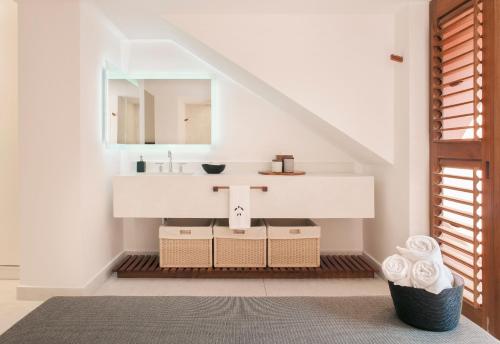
column 430, row 276
column 397, row 269
column 239, row 207
column 421, row 247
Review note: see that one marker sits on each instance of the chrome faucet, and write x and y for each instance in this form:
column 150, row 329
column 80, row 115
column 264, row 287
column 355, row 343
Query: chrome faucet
column 170, row 165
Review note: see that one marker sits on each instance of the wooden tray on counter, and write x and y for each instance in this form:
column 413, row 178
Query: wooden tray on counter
column 294, row 173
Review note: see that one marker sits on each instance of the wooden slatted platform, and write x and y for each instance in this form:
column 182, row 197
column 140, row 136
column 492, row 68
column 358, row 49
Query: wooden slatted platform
column 147, row 266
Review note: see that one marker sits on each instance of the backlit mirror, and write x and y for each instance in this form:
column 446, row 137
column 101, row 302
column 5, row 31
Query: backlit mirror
column 158, row 111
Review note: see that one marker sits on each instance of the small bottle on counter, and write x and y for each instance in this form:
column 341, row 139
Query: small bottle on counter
column 141, row 166
column 277, row 166
column 288, row 165
column 282, row 157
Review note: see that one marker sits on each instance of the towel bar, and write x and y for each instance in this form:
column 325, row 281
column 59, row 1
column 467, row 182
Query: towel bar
column 263, row 188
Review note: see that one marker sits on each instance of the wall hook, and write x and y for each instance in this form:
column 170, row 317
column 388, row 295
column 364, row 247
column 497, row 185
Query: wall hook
column 397, row 58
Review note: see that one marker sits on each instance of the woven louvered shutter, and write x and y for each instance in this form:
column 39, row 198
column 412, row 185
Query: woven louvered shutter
column 458, row 132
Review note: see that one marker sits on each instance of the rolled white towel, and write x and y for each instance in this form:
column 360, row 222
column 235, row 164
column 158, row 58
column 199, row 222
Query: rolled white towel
column 430, row 276
column 397, row 269
column 421, row 247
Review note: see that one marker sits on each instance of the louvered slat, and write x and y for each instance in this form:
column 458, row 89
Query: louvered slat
column 455, row 211
column 453, row 199
column 463, row 31
column 455, row 23
column 457, row 105
column 458, row 259
column 452, row 176
column 460, row 60
column 455, row 188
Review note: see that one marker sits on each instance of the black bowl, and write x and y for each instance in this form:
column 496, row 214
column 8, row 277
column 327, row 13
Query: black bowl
column 213, row 169
column 428, row 311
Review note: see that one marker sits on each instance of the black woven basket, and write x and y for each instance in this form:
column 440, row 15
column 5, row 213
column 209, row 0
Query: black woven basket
column 428, row 311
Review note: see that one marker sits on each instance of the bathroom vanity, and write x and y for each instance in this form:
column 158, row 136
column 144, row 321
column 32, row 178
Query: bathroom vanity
column 206, row 196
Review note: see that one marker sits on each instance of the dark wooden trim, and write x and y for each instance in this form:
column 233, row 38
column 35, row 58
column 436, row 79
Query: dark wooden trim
column 458, row 150
column 492, row 96
column 470, row 312
column 433, row 10
column 340, row 266
column 491, row 147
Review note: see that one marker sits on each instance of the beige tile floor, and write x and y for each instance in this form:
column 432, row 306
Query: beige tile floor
column 11, row 310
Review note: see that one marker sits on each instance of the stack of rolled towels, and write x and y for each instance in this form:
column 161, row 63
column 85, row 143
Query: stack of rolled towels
column 418, row 265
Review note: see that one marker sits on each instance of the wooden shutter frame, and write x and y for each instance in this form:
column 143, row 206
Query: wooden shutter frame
column 492, row 35
column 487, row 151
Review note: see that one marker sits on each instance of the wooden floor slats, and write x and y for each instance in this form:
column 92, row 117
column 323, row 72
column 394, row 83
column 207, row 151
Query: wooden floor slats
column 147, row 266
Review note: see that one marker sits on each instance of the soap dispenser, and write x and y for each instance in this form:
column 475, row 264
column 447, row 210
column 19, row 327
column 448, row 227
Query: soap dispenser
column 141, row 166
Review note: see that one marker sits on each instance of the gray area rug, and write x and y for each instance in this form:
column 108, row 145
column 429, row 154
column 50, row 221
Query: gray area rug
column 208, row 320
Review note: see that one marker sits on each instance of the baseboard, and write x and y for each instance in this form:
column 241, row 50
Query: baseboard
column 375, row 263
column 100, row 277
column 35, row 293
column 9, row 272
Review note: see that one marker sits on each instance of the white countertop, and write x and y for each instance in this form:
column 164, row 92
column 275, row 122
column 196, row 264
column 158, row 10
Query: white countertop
column 241, row 174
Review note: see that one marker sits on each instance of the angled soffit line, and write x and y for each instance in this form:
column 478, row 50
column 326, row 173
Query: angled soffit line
column 358, row 151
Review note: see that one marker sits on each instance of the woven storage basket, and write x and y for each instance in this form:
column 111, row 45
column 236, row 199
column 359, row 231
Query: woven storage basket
column 239, row 248
column 186, row 243
column 428, row 311
column 293, row 243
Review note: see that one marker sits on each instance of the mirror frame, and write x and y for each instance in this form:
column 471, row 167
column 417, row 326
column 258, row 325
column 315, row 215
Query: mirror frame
column 113, row 75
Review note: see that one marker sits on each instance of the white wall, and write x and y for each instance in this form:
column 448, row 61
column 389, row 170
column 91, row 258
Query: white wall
column 67, row 230
column 100, row 42
column 49, row 132
column 419, row 118
column 401, row 189
column 336, row 65
column 248, row 132
column 9, row 225
column 240, row 116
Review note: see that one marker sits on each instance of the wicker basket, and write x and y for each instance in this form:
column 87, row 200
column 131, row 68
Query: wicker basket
column 293, row 243
column 428, row 311
column 243, row 248
column 186, row 243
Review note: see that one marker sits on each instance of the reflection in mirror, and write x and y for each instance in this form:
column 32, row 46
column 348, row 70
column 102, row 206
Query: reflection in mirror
column 159, row 111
